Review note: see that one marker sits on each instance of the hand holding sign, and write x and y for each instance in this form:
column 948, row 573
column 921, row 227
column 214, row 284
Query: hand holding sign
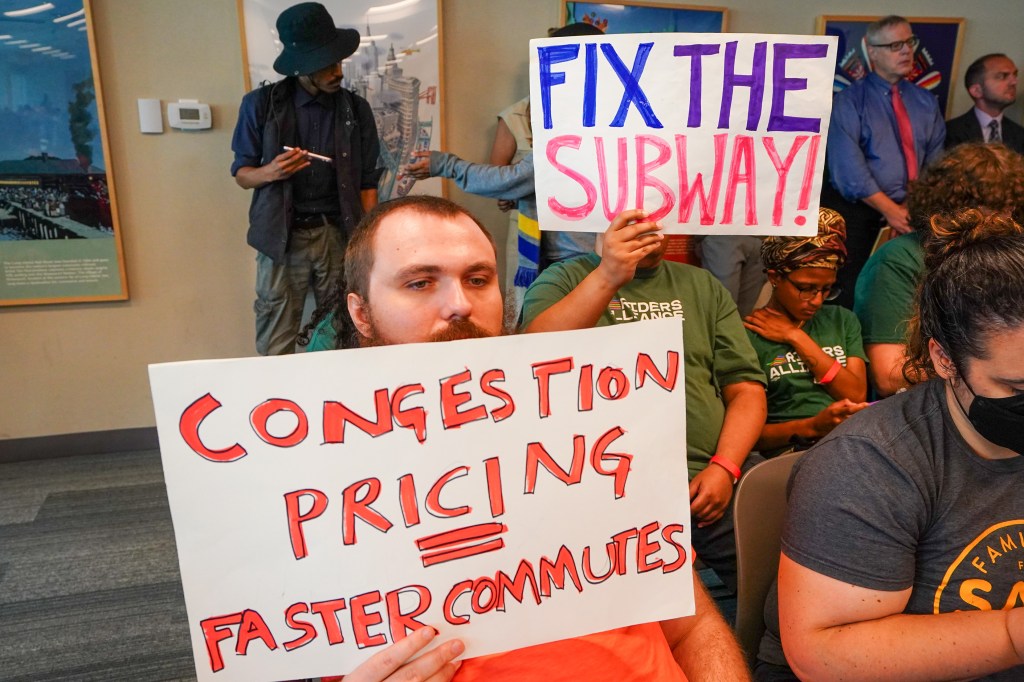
column 393, row 664
column 629, row 239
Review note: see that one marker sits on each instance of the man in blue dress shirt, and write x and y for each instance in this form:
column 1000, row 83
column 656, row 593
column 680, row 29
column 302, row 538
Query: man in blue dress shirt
column 884, row 130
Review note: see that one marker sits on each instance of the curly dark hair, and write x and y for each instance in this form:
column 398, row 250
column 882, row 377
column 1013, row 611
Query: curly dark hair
column 973, row 286
column 970, row 175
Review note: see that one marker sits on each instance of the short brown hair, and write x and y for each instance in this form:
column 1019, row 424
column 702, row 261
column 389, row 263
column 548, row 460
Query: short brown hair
column 359, row 254
column 975, row 74
column 359, row 263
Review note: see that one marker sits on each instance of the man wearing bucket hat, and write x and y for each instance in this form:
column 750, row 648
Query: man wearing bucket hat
column 309, row 150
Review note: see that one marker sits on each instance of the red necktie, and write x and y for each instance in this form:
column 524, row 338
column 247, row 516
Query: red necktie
column 906, row 132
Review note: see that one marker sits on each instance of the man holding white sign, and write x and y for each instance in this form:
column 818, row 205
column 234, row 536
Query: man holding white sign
column 463, row 301
column 341, row 513
column 703, row 133
column 629, row 280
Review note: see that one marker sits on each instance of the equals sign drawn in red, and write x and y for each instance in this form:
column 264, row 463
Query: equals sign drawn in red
column 461, row 542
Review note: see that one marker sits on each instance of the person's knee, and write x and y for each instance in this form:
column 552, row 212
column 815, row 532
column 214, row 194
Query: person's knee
column 274, row 325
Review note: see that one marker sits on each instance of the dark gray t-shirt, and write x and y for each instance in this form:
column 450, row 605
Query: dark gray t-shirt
column 894, row 498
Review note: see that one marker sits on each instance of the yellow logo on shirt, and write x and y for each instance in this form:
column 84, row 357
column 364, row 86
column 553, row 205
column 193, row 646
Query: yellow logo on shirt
column 988, row 574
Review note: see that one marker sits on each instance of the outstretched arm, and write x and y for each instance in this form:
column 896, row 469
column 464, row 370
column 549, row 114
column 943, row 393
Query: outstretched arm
column 503, row 150
column 497, row 182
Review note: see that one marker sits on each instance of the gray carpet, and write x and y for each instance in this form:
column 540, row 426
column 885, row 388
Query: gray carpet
column 89, row 585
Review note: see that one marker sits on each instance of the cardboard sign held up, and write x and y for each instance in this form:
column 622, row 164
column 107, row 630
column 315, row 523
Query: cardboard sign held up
column 710, row 133
column 507, row 491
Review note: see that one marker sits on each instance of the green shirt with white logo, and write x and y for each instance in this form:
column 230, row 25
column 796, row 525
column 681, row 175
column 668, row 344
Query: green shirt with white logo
column 792, row 393
column 715, row 346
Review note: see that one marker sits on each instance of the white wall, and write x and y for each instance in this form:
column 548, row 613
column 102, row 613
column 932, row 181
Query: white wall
column 79, row 368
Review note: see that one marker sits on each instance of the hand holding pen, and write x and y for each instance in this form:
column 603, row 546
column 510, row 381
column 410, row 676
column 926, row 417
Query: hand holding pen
column 318, row 157
column 284, row 165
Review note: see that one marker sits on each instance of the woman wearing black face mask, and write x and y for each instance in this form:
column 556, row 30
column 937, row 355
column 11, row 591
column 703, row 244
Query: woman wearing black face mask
column 903, row 554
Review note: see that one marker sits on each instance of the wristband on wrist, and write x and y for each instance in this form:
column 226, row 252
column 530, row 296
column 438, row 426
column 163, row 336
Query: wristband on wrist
column 831, row 373
column 729, row 466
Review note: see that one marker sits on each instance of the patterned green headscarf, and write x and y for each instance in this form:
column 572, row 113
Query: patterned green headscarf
column 827, row 249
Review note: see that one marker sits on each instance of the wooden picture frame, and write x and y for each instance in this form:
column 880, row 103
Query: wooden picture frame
column 936, row 60
column 646, row 17
column 399, row 72
column 60, row 237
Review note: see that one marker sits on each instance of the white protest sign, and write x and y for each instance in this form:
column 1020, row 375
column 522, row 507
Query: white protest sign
column 710, row 133
column 507, row 491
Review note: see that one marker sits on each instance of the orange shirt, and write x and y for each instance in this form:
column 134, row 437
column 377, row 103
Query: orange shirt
column 637, row 652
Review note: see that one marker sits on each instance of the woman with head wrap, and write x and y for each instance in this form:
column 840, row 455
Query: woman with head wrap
column 811, row 352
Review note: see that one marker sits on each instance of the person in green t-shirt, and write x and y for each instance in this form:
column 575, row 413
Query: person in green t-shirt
column 969, row 176
column 811, row 352
column 628, row 280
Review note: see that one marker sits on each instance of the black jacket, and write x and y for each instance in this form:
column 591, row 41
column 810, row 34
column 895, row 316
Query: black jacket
column 356, row 152
column 967, row 129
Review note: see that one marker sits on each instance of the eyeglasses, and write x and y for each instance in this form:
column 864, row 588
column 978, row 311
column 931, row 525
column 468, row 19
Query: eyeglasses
column 807, row 292
column 912, row 42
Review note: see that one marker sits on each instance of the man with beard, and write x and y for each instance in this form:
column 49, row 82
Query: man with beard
column 419, row 269
column 308, row 149
column 992, row 83
column 395, row 289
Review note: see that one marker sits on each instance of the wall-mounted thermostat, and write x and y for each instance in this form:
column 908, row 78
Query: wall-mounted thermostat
column 188, row 114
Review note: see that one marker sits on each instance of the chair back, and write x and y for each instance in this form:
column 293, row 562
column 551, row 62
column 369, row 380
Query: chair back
column 759, row 512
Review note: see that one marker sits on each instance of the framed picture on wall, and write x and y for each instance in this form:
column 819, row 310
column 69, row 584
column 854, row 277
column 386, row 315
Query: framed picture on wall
column 397, row 69
column 60, row 241
column 646, row 17
column 936, row 59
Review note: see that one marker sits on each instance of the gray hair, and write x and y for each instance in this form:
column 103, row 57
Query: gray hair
column 876, row 27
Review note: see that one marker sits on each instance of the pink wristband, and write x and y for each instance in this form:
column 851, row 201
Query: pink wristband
column 831, row 373
column 729, row 466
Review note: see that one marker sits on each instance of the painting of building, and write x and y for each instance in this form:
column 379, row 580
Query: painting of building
column 396, row 69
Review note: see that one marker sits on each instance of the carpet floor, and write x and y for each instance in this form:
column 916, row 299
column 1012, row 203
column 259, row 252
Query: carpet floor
column 89, row 584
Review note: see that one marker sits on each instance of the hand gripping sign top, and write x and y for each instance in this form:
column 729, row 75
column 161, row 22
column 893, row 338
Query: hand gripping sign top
column 710, row 133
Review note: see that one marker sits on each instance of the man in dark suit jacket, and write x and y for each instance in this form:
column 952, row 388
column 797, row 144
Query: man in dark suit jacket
column 992, row 83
